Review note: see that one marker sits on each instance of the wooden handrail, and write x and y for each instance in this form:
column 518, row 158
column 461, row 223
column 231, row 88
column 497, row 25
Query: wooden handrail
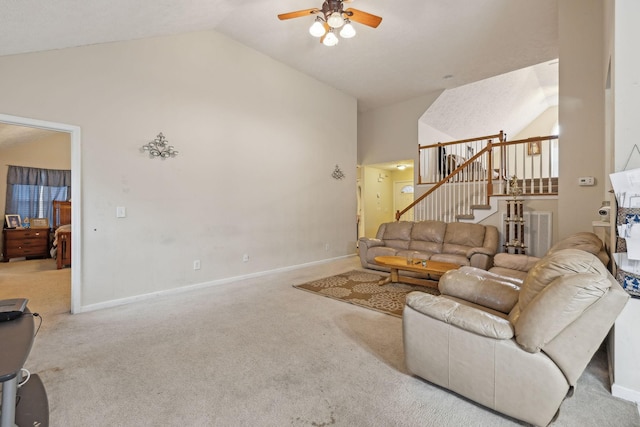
column 443, row 181
column 484, row 172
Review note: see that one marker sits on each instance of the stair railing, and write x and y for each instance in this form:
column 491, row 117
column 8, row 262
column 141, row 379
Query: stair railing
column 466, row 184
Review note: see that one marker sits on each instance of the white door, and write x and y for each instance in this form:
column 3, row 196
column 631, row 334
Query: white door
column 403, row 197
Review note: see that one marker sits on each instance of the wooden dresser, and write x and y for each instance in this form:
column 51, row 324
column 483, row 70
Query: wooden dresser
column 25, row 242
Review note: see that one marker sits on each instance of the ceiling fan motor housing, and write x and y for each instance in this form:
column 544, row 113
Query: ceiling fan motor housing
column 331, row 6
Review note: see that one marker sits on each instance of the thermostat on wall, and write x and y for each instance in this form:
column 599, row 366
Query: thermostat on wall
column 586, row 180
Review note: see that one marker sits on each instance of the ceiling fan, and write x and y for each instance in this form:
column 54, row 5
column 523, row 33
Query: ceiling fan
column 333, row 16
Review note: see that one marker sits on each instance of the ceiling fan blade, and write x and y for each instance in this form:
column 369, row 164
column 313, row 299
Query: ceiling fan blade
column 298, row 14
column 364, row 17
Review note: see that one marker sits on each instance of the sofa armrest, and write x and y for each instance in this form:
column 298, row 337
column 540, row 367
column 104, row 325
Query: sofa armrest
column 369, row 242
column 464, row 317
column 489, row 246
column 480, row 260
column 480, row 287
column 482, row 256
column 480, row 250
column 517, row 262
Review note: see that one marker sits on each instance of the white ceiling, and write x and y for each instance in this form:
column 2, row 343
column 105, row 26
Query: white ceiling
column 508, row 102
column 416, row 45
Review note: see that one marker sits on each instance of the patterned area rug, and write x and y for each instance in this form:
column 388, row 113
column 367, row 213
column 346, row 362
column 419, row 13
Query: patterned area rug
column 361, row 288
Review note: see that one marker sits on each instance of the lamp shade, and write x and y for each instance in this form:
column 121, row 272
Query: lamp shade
column 330, row 39
column 335, row 20
column 317, row 29
column 347, row 31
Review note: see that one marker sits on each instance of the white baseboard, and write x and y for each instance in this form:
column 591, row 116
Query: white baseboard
column 182, row 289
column 625, row 393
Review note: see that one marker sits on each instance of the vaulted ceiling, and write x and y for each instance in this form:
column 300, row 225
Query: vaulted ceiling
column 421, row 45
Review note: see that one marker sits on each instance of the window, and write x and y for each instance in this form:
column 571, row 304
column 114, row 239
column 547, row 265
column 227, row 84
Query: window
column 31, row 191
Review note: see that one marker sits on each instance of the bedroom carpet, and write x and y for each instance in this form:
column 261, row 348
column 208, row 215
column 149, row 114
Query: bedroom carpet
column 256, row 352
column 361, row 288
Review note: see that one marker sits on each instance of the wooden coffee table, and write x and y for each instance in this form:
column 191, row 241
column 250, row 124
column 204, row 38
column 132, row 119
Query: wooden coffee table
column 397, row 263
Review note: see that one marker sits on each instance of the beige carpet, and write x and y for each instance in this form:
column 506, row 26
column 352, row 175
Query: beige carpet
column 361, row 288
column 255, row 352
column 48, row 289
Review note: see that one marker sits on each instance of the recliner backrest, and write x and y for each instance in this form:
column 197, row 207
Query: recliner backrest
column 584, row 240
column 556, row 291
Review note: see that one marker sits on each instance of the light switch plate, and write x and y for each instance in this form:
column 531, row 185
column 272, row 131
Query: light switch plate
column 121, row 212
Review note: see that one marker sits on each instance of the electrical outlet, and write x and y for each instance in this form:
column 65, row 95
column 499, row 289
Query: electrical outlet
column 196, row 264
column 326, row 246
column 245, row 257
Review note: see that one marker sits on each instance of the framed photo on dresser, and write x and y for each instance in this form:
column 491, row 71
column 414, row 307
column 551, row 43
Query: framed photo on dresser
column 13, row 221
column 39, row 222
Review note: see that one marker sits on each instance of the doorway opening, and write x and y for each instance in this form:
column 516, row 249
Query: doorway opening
column 383, row 189
column 75, row 136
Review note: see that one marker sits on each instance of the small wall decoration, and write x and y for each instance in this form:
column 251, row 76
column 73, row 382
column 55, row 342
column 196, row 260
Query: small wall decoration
column 13, row 221
column 159, row 147
column 534, row 148
column 337, row 173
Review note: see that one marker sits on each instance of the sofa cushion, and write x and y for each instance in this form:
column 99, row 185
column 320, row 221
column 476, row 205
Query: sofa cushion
column 451, row 258
column 397, row 234
column 460, row 237
column 427, row 236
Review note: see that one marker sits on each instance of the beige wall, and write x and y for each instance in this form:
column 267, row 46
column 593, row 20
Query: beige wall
column 53, row 152
column 581, row 113
column 387, row 134
column 540, row 126
column 391, row 133
column 253, row 175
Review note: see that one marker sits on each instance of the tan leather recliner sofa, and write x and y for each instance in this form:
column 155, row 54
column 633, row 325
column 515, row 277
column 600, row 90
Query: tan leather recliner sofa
column 518, row 351
column 455, row 242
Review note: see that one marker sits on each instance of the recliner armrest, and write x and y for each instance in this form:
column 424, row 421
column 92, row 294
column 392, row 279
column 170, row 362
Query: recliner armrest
column 517, row 262
column 481, row 287
column 468, row 318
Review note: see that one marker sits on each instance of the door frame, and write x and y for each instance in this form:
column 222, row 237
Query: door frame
column 76, row 196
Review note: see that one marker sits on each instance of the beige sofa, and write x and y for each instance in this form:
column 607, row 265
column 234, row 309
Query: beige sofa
column 455, row 242
column 518, row 351
column 518, row 265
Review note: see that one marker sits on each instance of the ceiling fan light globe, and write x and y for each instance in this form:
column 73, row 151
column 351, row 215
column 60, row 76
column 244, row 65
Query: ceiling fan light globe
column 317, row 29
column 330, row 39
column 347, row 31
column 335, row 20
